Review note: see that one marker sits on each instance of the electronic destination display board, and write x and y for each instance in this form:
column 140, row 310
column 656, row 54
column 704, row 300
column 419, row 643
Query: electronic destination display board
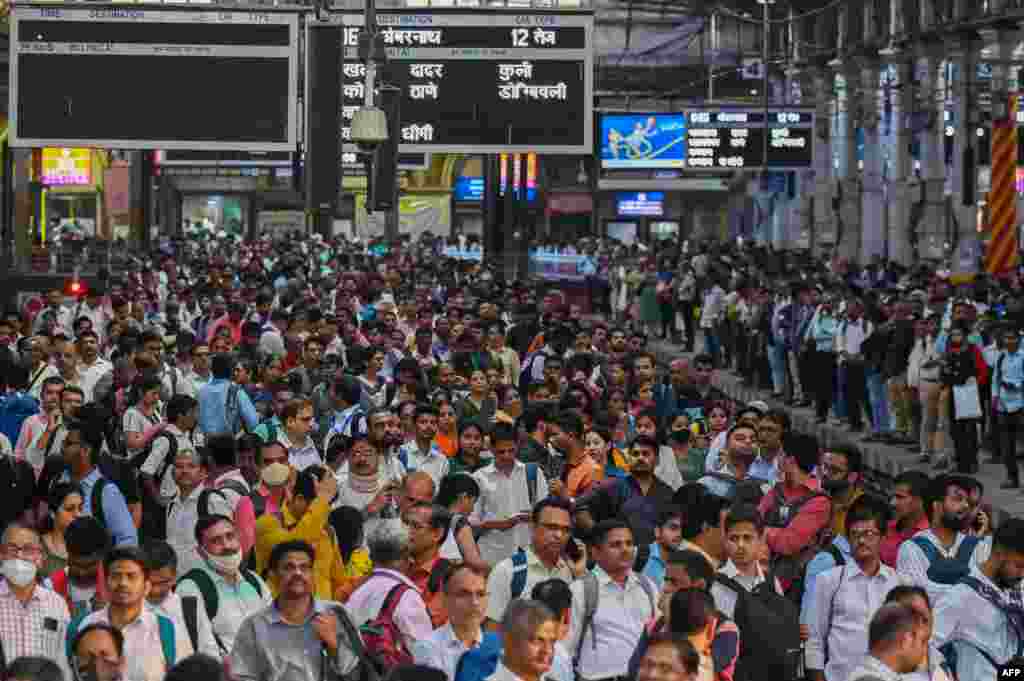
column 151, row 77
column 732, row 139
column 712, row 138
column 485, row 81
column 640, row 140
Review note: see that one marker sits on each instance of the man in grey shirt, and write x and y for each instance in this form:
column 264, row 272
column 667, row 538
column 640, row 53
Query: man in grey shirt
column 296, row 638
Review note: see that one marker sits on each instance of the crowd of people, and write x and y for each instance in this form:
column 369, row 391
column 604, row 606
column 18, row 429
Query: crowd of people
column 308, row 459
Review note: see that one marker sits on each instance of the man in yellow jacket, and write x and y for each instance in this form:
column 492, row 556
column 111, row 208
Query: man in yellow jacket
column 303, row 516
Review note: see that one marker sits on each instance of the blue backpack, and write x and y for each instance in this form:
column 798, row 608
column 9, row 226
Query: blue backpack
column 477, row 664
column 942, row 570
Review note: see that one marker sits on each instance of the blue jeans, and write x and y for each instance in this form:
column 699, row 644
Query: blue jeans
column 878, row 398
column 713, row 346
column 839, row 399
column 777, row 362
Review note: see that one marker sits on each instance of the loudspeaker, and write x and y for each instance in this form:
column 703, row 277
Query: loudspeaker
column 323, row 116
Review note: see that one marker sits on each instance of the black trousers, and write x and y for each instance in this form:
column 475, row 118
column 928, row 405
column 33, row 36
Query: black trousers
column 965, row 441
column 1007, row 428
column 822, row 380
column 686, row 310
column 856, row 392
column 668, row 318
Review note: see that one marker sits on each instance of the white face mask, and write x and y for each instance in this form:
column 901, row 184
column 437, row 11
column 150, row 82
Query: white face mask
column 18, row 572
column 227, row 563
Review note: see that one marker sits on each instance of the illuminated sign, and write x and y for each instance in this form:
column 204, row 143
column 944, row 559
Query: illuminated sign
column 66, row 166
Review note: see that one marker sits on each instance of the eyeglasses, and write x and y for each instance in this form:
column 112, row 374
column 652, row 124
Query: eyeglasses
column 864, row 535
column 26, row 551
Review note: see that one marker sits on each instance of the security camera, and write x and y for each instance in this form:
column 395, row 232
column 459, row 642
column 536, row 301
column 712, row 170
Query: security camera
column 369, row 128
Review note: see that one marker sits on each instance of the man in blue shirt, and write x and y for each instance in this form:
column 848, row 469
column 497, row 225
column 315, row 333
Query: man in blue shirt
column 224, row 406
column 81, row 454
column 1008, row 391
column 667, row 536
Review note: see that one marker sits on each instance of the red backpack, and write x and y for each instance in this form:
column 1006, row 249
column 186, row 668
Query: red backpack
column 381, row 637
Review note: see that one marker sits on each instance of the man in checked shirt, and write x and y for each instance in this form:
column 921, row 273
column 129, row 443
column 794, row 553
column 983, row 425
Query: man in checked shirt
column 33, row 619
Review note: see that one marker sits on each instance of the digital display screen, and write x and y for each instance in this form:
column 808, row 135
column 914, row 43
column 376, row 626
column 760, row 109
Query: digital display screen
column 729, row 139
column 184, row 78
column 641, row 204
column 643, row 141
column 481, row 82
column 469, row 189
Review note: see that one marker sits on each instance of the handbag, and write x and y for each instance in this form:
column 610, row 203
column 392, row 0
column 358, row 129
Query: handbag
column 966, row 401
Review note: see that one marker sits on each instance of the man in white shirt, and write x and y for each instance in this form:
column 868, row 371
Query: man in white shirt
column 38, row 431
column 935, row 559
column 190, row 473
column 542, row 560
column 152, row 644
column 852, row 334
column 92, row 367
column 465, row 595
column 529, row 633
column 625, row 603
column 158, row 468
column 163, row 574
column 506, row 499
column 982, row 616
column 744, row 541
column 389, row 550
column 898, row 641
column 423, row 453
column 846, row 597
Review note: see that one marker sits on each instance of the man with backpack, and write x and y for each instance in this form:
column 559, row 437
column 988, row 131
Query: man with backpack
column 846, row 597
column 158, row 463
column 753, row 599
column 796, row 513
column 939, row 557
column 102, row 498
column 388, row 607
column 193, row 500
column 542, row 560
column 979, row 622
column 508, row 491
column 611, row 604
column 226, row 478
column 465, row 592
column 224, row 406
column 225, row 591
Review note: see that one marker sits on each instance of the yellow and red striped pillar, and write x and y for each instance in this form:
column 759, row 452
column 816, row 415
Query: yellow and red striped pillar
column 1001, row 254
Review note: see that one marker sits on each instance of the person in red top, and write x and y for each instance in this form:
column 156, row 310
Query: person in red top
column 232, row 320
column 427, row 525
column 908, row 510
column 796, row 511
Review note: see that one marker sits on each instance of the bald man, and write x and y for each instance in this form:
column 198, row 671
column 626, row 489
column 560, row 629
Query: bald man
column 418, row 488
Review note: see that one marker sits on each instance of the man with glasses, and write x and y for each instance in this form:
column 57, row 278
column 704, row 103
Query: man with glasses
column 297, row 637
column 840, row 478
column 544, row 559
column 428, row 525
column 97, row 654
column 33, row 619
column 200, row 374
column 846, row 597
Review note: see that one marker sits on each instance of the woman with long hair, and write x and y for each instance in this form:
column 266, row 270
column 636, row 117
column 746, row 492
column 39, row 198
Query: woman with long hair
column 65, row 503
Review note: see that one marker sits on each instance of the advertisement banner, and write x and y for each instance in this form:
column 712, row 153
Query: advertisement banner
column 643, row 141
column 63, row 166
column 418, row 213
column 562, row 267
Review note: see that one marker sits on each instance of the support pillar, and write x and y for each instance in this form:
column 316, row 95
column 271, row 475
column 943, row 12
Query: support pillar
column 965, row 244
column 848, row 245
column 931, row 230
column 823, row 228
column 873, row 216
column 903, row 187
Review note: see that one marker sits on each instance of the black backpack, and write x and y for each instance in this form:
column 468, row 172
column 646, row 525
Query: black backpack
column 770, row 626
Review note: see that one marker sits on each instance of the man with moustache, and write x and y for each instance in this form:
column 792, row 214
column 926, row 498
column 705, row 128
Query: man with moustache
column 275, row 644
column 937, row 558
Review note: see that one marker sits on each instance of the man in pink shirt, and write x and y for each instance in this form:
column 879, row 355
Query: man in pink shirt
column 233, row 320
column 796, row 511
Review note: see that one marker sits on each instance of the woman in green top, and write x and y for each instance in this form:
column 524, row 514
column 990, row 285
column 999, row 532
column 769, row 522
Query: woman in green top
column 65, row 502
column 471, row 444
